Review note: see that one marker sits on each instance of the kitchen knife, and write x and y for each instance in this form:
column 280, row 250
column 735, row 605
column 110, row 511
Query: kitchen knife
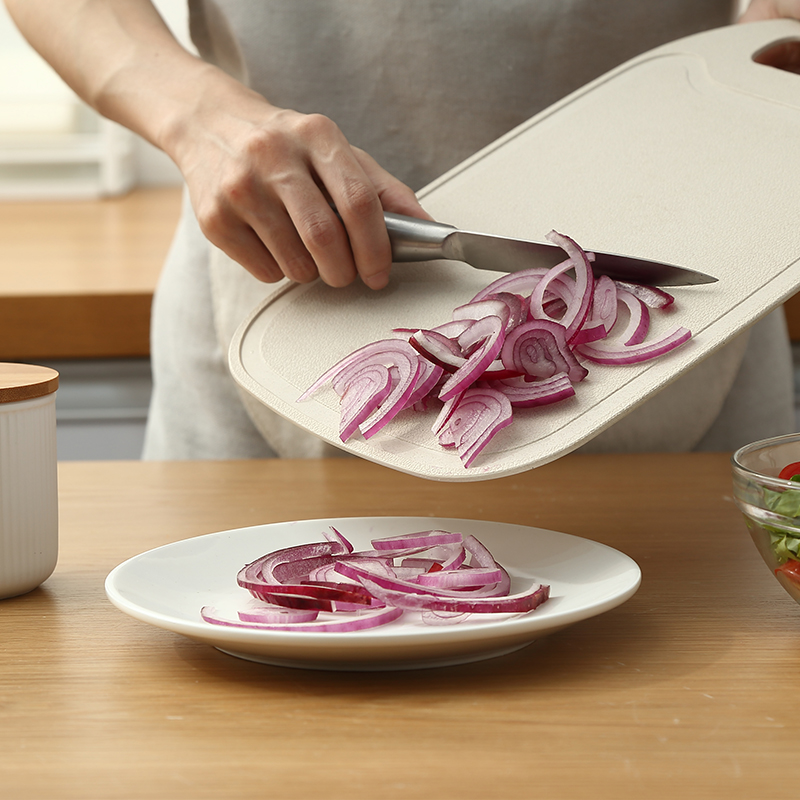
column 421, row 240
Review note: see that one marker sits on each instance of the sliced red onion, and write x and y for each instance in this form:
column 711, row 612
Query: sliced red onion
column 489, row 331
column 439, row 582
column 635, row 354
column 497, row 370
column 651, row 296
column 270, row 614
column 416, row 540
column 493, row 338
column 367, row 575
column 553, row 295
column 517, row 603
column 527, row 394
column 638, row 319
column 408, row 365
column 452, row 578
column 478, row 309
column 447, row 409
column 438, row 349
column 477, row 416
column 378, row 351
column 454, row 328
column 363, row 395
column 356, row 622
column 539, row 348
column 333, row 535
column 483, row 558
column 517, row 307
column 344, row 592
column 262, row 569
column 604, row 304
column 578, row 309
column 428, row 378
column 522, row 282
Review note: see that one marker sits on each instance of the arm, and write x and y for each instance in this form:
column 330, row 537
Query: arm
column 260, row 177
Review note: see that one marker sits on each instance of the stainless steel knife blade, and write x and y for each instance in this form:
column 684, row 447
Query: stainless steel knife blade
column 422, row 240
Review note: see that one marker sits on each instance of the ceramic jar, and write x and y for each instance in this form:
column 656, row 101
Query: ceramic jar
column 28, row 477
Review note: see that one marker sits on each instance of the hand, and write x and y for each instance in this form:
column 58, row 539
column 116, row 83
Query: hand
column 262, row 181
column 261, row 178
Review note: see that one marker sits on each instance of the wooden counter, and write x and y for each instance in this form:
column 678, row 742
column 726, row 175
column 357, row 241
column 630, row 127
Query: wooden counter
column 686, row 690
column 77, row 277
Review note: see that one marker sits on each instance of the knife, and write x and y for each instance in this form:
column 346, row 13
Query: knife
column 422, row 240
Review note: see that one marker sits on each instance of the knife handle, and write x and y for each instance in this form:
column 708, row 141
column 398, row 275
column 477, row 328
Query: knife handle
column 416, row 239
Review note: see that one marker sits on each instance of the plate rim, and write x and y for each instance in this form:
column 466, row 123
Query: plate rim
column 527, row 626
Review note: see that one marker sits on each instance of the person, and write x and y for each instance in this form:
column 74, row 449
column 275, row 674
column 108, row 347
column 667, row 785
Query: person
column 293, row 107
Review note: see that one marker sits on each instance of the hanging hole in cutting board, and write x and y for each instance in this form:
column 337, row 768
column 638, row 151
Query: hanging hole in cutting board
column 783, row 55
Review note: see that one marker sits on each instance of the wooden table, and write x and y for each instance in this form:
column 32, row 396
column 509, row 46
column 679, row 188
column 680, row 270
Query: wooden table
column 687, row 690
column 77, row 277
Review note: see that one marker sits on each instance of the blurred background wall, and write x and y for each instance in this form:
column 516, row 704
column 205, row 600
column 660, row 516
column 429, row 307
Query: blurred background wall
column 33, row 99
column 53, row 148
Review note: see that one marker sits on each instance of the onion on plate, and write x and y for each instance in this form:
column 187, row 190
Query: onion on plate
column 329, row 587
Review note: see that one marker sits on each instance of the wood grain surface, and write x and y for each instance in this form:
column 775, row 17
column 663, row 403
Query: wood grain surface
column 686, row 690
column 26, row 381
column 77, row 277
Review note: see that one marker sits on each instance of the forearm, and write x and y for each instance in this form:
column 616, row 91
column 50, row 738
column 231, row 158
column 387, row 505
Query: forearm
column 120, row 57
column 260, row 178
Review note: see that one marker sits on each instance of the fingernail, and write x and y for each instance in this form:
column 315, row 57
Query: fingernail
column 377, row 281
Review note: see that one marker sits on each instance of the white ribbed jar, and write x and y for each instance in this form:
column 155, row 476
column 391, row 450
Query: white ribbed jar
column 28, row 477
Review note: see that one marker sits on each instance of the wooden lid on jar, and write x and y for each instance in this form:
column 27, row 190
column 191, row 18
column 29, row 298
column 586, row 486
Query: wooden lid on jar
column 25, row 382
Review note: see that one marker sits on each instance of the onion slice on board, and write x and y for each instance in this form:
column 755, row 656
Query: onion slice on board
column 529, row 326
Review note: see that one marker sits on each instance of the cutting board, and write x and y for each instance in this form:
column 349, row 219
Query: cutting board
column 689, row 153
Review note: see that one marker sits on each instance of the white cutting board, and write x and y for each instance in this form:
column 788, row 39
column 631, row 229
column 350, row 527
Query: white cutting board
column 688, row 154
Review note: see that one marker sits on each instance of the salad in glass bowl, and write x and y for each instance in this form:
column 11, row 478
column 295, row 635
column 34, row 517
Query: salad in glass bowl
column 766, row 488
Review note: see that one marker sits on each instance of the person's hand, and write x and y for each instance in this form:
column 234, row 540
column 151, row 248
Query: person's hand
column 263, row 181
column 785, row 55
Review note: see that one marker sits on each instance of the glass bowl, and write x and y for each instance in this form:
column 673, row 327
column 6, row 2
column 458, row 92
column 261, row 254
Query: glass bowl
column 771, row 504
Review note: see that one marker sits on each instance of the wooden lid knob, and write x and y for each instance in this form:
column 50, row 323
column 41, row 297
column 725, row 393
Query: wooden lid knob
column 25, row 382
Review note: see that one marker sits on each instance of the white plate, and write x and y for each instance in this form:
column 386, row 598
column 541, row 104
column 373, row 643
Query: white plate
column 166, row 587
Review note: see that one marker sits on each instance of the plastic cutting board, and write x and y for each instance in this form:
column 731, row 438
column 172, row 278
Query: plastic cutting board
column 688, row 153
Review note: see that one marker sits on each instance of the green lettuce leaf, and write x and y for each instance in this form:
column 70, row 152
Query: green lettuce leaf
column 785, row 545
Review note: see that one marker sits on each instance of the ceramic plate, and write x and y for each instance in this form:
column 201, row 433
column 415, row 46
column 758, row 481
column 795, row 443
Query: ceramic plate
column 167, row 587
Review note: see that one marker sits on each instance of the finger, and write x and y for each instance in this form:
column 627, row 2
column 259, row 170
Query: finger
column 324, row 236
column 295, row 221
column 356, row 199
column 290, row 238
column 307, row 240
column 367, row 236
column 242, row 244
column 394, row 195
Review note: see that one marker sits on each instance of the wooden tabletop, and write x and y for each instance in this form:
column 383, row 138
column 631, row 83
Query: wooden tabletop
column 77, row 277
column 687, row 690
